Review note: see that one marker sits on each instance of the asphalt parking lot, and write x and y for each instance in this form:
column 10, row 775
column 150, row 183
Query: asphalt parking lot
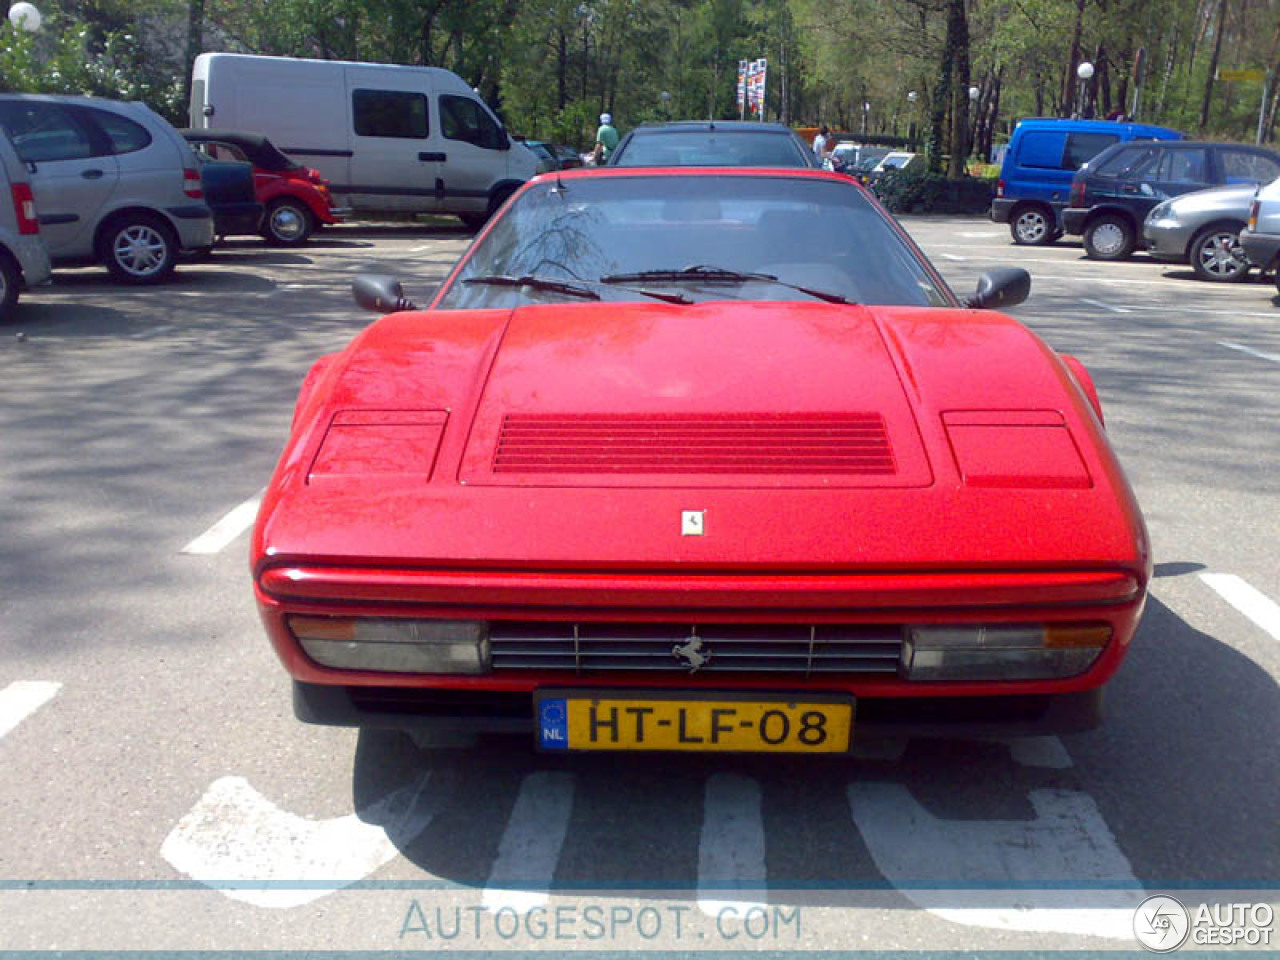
column 157, row 794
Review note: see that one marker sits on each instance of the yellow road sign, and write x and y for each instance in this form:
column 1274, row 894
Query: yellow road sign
column 1242, row 76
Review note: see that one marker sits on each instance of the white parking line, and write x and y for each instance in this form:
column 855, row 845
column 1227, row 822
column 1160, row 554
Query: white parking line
column 1273, row 357
column 530, row 847
column 1104, row 306
column 1253, row 603
column 731, row 850
column 418, row 249
column 1059, row 872
column 952, row 256
column 236, row 522
column 21, row 699
column 238, row 842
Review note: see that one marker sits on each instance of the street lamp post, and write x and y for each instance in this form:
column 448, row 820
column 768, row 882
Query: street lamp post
column 587, row 15
column 866, row 111
column 665, row 98
column 911, row 125
column 1085, row 73
column 974, row 94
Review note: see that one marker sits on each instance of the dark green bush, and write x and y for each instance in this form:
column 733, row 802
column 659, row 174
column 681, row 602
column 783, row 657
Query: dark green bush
column 931, row 193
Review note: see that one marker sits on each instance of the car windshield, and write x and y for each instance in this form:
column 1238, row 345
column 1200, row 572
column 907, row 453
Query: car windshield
column 711, row 148
column 816, row 234
column 869, row 159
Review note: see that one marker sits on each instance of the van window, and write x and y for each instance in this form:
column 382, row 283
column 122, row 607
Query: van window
column 123, row 134
column 461, row 118
column 1041, row 148
column 1083, row 147
column 43, row 132
column 390, row 113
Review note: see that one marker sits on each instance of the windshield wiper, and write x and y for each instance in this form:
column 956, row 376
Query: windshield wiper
column 574, row 288
column 702, row 273
column 536, row 283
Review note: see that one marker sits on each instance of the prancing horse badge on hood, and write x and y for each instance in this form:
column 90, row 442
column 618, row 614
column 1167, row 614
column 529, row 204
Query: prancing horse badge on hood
column 691, row 523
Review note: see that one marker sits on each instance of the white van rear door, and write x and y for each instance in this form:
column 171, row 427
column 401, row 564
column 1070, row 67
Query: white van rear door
column 476, row 149
column 396, row 156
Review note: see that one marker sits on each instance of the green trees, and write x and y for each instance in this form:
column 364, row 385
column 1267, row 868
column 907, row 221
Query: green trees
column 551, row 66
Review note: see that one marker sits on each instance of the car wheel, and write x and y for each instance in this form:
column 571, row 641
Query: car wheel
column 1109, row 237
column 10, row 285
column 288, row 223
column 1032, row 226
column 1216, row 255
column 139, row 249
column 474, row 221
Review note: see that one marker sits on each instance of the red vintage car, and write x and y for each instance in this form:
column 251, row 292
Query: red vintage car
column 699, row 460
column 296, row 199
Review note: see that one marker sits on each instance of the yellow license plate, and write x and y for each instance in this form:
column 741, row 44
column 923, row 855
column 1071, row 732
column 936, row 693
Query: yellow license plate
column 573, row 720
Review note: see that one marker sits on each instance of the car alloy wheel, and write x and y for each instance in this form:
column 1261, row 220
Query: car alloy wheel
column 1218, row 256
column 1108, row 238
column 140, row 251
column 288, row 223
column 1031, row 227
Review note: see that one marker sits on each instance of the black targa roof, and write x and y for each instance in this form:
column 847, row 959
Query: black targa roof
column 258, row 150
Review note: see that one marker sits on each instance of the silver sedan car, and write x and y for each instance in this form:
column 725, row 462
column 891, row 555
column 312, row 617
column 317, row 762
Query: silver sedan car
column 1203, row 229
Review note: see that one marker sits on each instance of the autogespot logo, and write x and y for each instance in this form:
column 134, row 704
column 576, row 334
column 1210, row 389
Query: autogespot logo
column 1161, row 924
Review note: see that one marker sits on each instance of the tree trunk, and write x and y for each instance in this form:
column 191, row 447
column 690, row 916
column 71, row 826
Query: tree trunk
column 195, row 43
column 958, row 54
column 1213, row 64
column 1073, row 58
column 562, row 62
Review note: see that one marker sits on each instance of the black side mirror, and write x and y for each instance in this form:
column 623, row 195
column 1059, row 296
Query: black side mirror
column 1001, row 288
column 380, row 293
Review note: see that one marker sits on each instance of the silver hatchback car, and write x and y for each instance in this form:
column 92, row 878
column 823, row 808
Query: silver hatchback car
column 113, row 182
column 24, row 259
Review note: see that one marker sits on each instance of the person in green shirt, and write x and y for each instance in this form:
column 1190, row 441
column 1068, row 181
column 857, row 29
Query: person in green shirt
column 606, row 139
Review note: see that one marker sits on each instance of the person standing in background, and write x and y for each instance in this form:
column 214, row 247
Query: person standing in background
column 606, row 140
column 820, row 142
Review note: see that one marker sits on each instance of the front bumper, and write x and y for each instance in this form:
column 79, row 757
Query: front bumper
column 1262, row 249
column 511, row 712
column 1073, row 219
column 1166, row 239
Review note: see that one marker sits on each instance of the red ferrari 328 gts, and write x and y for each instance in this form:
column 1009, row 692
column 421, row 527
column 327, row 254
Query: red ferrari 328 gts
column 699, row 460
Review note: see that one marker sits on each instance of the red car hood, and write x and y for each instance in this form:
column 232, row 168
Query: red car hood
column 809, row 436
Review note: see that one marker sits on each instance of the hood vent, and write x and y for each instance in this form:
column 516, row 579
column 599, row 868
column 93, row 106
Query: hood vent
column 761, row 443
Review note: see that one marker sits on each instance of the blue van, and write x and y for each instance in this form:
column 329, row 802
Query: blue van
column 1043, row 154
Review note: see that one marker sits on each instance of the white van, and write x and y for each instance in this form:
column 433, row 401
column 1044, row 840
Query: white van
column 388, row 138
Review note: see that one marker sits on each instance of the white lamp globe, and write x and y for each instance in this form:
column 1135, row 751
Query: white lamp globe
column 1085, row 70
column 25, row 16
column 974, row 93
column 913, row 96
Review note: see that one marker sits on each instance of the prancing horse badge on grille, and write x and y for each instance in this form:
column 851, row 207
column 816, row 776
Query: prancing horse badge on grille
column 692, row 653
column 691, row 523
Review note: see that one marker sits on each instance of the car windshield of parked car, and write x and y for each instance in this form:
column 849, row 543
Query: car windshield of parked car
column 814, row 233
column 869, row 159
column 706, row 148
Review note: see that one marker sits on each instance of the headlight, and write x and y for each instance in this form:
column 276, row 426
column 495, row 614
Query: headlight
column 1020, row 652
column 394, row 645
column 1161, row 211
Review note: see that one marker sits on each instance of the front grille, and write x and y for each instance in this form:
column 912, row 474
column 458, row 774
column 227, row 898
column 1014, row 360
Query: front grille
column 757, row 648
column 836, row 443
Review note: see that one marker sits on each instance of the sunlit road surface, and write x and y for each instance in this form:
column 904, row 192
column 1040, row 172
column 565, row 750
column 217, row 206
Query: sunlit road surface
column 157, row 794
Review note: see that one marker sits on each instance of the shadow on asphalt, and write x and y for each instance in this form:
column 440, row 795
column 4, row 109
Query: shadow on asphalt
column 1183, row 783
